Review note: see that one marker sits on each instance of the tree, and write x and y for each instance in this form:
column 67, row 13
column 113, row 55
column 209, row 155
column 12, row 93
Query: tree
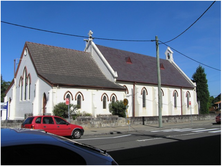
column 4, row 87
column 61, row 109
column 118, row 108
column 202, row 89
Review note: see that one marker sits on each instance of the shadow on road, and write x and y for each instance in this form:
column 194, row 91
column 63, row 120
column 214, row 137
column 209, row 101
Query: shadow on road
column 201, row 151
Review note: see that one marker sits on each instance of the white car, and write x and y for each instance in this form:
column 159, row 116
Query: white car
column 35, row 147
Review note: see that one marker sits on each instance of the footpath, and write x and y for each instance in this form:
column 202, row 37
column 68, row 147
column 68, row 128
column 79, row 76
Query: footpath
column 138, row 128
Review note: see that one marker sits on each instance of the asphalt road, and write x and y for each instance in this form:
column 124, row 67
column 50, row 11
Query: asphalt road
column 180, row 146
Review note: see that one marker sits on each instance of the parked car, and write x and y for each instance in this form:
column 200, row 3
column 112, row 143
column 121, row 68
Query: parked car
column 218, row 118
column 36, row 147
column 53, row 124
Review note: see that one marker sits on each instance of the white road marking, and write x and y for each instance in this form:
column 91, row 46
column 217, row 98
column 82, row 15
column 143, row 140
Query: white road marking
column 216, row 131
column 187, row 130
column 150, row 139
column 205, row 130
column 104, row 137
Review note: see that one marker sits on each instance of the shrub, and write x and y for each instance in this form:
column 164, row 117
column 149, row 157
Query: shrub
column 118, row 108
column 61, row 109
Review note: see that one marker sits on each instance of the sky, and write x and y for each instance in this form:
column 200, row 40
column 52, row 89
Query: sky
column 128, row 20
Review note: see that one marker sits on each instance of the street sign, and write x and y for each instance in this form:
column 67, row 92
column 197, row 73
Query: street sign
column 125, row 102
column 189, row 102
column 67, row 101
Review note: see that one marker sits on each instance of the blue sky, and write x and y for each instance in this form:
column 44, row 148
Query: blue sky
column 118, row 20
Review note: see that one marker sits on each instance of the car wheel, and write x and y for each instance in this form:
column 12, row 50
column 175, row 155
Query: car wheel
column 77, row 134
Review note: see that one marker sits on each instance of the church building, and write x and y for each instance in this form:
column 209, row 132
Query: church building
column 93, row 78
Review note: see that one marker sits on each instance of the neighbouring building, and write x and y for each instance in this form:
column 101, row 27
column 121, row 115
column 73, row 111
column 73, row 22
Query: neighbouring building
column 47, row 75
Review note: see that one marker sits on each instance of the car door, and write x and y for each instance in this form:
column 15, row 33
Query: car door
column 63, row 127
column 48, row 125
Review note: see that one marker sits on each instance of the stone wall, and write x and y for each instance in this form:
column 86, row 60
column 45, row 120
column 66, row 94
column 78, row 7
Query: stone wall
column 114, row 121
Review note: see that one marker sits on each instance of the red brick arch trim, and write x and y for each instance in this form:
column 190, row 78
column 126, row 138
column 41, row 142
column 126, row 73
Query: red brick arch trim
column 68, row 92
column 175, row 92
column 112, row 97
column 188, row 93
column 104, row 94
column 21, row 81
column 25, row 71
column 79, row 93
column 29, row 77
column 127, row 91
column 162, row 92
column 143, row 90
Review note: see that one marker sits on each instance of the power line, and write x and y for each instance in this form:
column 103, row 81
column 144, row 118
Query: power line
column 191, row 24
column 190, row 57
column 73, row 35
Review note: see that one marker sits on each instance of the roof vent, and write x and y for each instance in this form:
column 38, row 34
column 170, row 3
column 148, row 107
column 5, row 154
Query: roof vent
column 161, row 66
column 128, row 60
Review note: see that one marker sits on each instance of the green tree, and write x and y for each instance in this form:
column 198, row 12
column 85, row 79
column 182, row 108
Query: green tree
column 202, row 89
column 4, row 87
column 61, row 109
column 118, row 108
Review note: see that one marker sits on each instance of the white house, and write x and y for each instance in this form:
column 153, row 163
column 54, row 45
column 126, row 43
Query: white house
column 47, row 75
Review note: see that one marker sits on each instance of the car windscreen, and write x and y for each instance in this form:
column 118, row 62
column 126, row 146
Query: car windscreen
column 28, row 120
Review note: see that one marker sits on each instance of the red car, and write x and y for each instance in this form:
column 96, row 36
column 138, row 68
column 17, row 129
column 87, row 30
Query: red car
column 53, row 124
column 218, row 120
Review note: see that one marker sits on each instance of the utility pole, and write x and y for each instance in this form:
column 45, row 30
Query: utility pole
column 159, row 83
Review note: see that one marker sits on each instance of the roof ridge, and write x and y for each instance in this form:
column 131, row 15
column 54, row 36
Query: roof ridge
column 54, row 46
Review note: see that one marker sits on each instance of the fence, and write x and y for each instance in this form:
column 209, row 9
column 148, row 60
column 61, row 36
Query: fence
column 115, row 121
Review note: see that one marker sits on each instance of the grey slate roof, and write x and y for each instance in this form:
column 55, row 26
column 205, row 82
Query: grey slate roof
column 68, row 67
column 143, row 68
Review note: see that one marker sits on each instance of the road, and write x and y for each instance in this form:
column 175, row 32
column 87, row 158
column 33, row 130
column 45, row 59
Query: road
column 180, row 146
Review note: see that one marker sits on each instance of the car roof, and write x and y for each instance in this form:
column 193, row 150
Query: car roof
column 11, row 136
column 21, row 136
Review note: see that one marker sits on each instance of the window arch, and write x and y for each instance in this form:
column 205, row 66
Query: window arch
column 79, row 101
column 25, row 83
column 175, row 95
column 126, row 91
column 144, row 92
column 104, row 102
column 113, row 97
column 104, row 99
column 21, row 87
column 79, row 97
column 79, row 93
column 188, row 98
column 29, row 86
column 68, row 92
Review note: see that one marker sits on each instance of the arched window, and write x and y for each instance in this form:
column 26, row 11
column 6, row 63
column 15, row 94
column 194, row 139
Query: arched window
column 21, row 88
column 104, row 102
column 144, row 92
column 104, row 99
column 175, row 95
column 113, row 99
column 144, row 98
column 29, row 86
column 79, row 100
column 188, row 99
column 25, row 83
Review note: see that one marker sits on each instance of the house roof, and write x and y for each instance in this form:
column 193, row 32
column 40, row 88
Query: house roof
column 68, row 67
column 133, row 67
